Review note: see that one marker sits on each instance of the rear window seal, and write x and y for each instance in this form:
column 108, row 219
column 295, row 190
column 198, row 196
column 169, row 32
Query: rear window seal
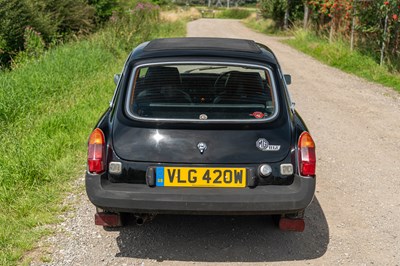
column 133, row 77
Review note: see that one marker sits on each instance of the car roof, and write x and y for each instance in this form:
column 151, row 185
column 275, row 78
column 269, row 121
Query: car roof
column 203, row 43
column 203, row 46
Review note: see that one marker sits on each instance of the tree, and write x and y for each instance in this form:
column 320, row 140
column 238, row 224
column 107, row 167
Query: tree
column 306, row 14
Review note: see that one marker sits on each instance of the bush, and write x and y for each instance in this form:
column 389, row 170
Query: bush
column 104, row 9
column 125, row 25
column 276, row 9
column 266, row 26
column 53, row 19
column 15, row 16
column 273, row 9
column 70, row 16
column 34, row 47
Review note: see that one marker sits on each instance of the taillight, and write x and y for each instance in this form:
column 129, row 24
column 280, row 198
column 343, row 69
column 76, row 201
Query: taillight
column 96, row 151
column 307, row 158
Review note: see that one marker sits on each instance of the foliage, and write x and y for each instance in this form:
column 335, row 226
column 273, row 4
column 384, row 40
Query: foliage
column 274, row 9
column 267, row 26
column 371, row 28
column 70, row 16
column 53, row 19
column 162, row 2
column 34, row 47
column 104, row 9
column 374, row 23
column 15, row 16
column 124, row 26
column 234, row 13
column 48, row 107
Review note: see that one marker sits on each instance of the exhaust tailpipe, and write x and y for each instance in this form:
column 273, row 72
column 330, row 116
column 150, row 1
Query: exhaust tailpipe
column 143, row 218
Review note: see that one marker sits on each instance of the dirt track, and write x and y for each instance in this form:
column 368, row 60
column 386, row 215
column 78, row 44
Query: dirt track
column 354, row 218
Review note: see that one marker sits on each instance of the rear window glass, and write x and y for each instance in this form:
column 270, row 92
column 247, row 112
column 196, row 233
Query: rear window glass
column 201, row 92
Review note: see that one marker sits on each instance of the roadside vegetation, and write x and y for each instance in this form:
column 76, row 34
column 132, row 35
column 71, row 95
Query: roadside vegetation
column 359, row 37
column 49, row 102
column 264, row 25
column 234, row 13
column 53, row 22
column 337, row 54
column 177, row 13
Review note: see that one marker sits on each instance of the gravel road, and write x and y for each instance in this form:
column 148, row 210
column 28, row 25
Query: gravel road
column 354, row 218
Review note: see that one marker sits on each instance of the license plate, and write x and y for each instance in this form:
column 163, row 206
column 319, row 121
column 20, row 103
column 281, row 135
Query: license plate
column 200, row 177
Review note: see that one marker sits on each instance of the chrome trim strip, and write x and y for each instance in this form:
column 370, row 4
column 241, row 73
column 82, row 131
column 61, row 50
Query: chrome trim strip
column 133, row 116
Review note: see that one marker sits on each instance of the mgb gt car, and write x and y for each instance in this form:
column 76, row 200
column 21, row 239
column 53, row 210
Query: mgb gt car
column 201, row 126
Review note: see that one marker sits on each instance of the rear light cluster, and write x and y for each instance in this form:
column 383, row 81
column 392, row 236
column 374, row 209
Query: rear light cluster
column 307, row 158
column 96, row 151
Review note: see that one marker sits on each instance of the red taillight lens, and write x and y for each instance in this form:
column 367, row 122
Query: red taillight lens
column 96, row 151
column 307, row 158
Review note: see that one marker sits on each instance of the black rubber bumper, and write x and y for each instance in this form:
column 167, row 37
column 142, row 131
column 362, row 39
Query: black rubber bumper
column 144, row 199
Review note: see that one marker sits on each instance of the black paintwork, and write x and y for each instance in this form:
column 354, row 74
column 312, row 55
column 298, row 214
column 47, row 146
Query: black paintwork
column 203, row 43
column 229, row 144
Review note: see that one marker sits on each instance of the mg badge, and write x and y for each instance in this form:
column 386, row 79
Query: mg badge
column 263, row 144
column 202, row 147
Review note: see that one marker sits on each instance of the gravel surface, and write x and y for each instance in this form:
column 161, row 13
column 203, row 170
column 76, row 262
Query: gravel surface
column 354, row 218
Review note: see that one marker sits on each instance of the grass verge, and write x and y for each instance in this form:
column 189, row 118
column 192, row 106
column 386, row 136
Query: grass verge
column 48, row 107
column 234, row 13
column 266, row 26
column 338, row 54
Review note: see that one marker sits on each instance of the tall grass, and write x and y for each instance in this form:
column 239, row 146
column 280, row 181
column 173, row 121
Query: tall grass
column 234, row 13
column 48, row 107
column 338, row 54
column 266, row 26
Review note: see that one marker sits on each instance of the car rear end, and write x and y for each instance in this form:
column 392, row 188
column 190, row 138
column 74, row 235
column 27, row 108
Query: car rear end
column 200, row 136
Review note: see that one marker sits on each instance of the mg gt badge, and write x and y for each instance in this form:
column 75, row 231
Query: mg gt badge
column 202, row 147
column 263, row 144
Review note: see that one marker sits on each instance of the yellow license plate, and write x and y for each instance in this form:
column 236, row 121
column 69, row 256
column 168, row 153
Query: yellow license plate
column 200, row 177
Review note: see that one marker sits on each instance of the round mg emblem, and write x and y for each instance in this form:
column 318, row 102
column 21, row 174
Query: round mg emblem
column 262, row 144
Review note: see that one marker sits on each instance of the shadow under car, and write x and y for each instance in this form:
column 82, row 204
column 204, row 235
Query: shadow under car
column 224, row 238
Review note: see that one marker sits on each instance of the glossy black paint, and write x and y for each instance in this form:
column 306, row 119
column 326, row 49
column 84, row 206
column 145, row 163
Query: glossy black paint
column 180, row 146
column 139, row 145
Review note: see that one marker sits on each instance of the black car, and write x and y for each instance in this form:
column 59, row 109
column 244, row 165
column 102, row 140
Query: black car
column 201, row 126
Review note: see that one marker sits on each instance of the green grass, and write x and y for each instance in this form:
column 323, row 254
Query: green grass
column 48, row 108
column 266, row 26
column 234, row 13
column 338, row 54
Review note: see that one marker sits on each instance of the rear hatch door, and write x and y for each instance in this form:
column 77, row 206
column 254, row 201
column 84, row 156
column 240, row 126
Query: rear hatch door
column 183, row 145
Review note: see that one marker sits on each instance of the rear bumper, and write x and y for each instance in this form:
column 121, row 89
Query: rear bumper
column 144, row 199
